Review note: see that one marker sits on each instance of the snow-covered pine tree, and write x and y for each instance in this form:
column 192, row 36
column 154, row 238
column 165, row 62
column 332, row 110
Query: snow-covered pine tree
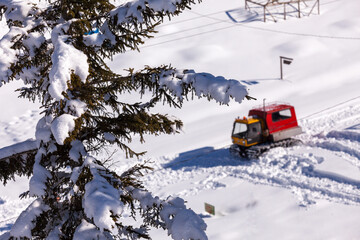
column 58, row 49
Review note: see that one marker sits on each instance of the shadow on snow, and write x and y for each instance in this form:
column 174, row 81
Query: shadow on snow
column 206, row 157
column 7, row 227
column 355, row 127
column 242, row 15
column 311, row 172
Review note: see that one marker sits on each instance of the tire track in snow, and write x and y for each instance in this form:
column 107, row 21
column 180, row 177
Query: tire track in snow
column 344, row 143
column 279, row 168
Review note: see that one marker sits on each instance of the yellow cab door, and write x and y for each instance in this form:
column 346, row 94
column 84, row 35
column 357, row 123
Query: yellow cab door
column 247, row 132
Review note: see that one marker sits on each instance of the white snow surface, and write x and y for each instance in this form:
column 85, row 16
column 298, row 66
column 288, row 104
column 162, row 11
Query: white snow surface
column 310, row 191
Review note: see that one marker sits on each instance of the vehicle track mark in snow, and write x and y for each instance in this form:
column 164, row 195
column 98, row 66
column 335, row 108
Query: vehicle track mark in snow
column 349, row 135
column 353, row 154
column 311, row 172
column 335, row 118
column 279, row 168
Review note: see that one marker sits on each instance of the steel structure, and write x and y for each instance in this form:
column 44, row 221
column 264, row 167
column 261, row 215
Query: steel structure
column 294, row 4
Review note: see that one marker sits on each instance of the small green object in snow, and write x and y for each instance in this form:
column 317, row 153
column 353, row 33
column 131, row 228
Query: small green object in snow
column 210, row 208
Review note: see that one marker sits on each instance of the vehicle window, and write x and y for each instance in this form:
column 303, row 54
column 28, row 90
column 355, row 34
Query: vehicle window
column 281, row 115
column 239, row 128
column 255, row 130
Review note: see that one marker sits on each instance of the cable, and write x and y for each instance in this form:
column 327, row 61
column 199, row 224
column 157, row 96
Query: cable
column 188, row 29
column 180, row 38
column 323, row 110
column 189, row 19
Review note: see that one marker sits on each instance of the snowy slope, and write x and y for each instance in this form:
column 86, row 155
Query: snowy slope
column 310, row 191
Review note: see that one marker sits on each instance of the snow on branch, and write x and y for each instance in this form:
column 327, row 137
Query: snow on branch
column 26, row 221
column 88, row 230
column 16, row 10
column 62, row 126
column 7, row 53
column 18, row 149
column 40, row 176
column 181, row 222
column 101, row 200
column 18, row 15
column 66, row 59
column 204, row 84
column 134, row 9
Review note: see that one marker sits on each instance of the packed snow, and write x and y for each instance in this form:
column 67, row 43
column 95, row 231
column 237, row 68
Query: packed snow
column 310, row 191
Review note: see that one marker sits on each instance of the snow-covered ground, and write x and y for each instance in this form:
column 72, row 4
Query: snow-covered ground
column 311, row 191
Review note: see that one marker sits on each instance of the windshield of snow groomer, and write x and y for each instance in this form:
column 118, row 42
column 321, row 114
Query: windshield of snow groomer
column 240, row 129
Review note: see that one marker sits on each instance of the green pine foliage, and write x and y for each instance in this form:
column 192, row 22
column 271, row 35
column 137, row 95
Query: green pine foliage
column 66, row 179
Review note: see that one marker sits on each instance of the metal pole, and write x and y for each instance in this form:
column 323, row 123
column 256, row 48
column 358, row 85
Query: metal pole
column 281, row 68
column 264, row 109
column 264, row 103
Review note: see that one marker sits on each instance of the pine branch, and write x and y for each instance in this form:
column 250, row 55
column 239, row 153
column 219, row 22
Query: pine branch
column 20, row 164
column 17, row 159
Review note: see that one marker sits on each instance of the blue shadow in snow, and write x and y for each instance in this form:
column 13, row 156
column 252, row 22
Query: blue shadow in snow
column 206, row 157
column 257, row 81
column 355, row 127
column 241, row 15
column 249, row 82
column 311, row 172
column 255, row 14
column 7, row 227
column 204, row 215
column 1, row 201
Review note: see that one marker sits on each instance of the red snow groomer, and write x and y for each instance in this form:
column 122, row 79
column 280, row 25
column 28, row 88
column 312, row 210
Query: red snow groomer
column 266, row 127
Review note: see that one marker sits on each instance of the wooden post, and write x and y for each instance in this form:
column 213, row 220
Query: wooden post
column 264, row 14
